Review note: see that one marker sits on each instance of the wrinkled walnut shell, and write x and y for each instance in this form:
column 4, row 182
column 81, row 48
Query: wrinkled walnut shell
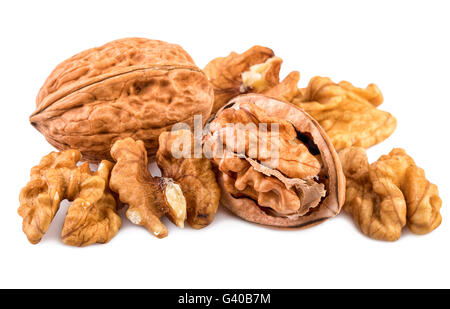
column 329, row 206
column 126, row 88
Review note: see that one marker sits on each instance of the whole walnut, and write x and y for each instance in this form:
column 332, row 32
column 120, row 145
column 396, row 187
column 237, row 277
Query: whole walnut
column 131, row 87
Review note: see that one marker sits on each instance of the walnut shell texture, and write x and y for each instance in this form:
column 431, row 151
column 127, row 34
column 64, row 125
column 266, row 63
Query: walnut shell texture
column 131, row 87
column 247, row 207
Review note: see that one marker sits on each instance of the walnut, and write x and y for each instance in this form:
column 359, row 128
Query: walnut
column 91, row 217
column 194, row 174
column 149, row 198
column 226, row 74
column 347, row 113
column 294, row 158
column 131, row 87
column 269, row 187
column 254, row 71
column 287, row 90
column 388, row 194
column 295, row 180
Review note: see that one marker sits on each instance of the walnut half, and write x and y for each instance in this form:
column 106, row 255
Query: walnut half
column 388, row 194
column 92, row 216
column 176, row 158
column 149, row 198
column 347, row 113
column 229, row 79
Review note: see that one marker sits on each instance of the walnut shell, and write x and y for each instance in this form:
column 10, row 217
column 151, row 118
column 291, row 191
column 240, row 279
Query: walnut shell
column 329, row 206
column 131, row 87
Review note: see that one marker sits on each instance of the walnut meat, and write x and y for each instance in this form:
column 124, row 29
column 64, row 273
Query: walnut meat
column 388, row 194
column 148, row 198
column 298, row 185
column 177, row 159
column 126, row 88
column 348, row 114
column 91, row 218
column 254, row 71
column 226, row 74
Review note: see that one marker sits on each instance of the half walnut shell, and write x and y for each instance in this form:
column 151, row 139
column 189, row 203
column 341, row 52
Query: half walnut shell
column 304, row 186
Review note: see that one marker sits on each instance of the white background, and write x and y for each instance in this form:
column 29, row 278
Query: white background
column 401, row 46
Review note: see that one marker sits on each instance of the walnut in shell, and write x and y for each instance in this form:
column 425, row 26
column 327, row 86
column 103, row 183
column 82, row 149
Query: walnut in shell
column 131, row 87
column 388, row 194
column 302, row 187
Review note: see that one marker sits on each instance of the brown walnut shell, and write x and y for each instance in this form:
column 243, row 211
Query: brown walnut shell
column 329, row 206
column 131, row 87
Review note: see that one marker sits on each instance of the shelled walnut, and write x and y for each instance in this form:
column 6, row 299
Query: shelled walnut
column 388, row 194
column 227, row 74
column 131, row 87
column 177, row 159
column 148, row 198
column 92, row 216
column 302, row 187
column 348, row 114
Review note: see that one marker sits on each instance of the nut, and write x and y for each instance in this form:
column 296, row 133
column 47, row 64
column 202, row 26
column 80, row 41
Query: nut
column 91, row 217
column 226, row 74
column 303, row 187
column 388, row 194
column 126, row 88
column 262, row 76
column 287, row 90
column 194, row 174
column 348, row 114
column 148, row 198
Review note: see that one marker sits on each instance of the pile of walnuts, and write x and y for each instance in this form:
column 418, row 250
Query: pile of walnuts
column 121, row 104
